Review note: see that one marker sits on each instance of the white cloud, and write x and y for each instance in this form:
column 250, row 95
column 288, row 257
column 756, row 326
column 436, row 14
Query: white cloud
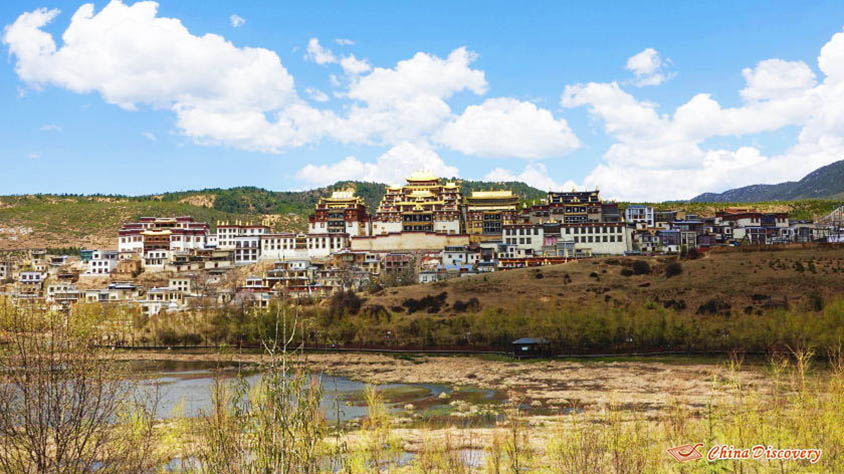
column 392, row 167
column 34, row 155
column 353, row 65
column 407, row 102
column 244, row 97
column 150, row 136
column 534, row 174
column 777, row 79
column 648, row 67
column 237, row 21
column 49, row 127
column 344, row 42
column 205, row 80
column 317, row 53
column 505, row 127
column 316, row 94
column 670, row 156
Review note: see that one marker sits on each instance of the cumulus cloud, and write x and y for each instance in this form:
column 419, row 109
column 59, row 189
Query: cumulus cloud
column 777, row 79
column 237, row 21
column 534, row 174
column 316, row 94
column 505, row 127
column 648, row 67
column 317, row 53
column 409, row 101
column 50, row 127
column 392, row 167
column 244, row 97
column 670, row 156
column 205, row 80
column 150, row 136
column 353, row 65
column 34, row 155
column 344, row 42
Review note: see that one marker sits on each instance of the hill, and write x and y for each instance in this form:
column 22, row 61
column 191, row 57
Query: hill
column 740, row 281
column 826, row 182
column 60, row 221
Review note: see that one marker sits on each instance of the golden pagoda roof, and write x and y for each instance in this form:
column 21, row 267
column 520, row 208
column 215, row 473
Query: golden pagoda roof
column 504, row 194
column 421, row 193
column 343, row 195
column 422, row 176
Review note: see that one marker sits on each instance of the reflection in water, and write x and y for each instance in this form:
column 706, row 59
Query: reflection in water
column 187, row 386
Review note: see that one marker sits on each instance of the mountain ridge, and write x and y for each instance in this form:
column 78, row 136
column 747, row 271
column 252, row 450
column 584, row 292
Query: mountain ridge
column 826, row 182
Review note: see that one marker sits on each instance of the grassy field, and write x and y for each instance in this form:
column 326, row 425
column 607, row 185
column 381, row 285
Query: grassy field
column 746, row 281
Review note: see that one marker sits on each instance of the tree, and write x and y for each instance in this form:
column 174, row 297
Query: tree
column 277, row 426
column 65, row 405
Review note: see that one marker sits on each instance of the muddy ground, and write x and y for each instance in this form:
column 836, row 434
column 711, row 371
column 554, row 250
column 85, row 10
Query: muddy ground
column 557, row 385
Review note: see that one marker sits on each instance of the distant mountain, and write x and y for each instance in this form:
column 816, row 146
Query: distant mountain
column 826, row 182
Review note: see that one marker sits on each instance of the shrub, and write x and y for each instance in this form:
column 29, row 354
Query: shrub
column 471, row 305
column 713, row 306
column 641, row 267
column 431, row 303
column 344, row 302
column 673, row 269
column 814, row 302
column 626, row 272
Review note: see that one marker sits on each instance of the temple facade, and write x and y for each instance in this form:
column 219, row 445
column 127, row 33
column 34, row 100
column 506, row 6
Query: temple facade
column 341, row 213
column 486, row 212
column 422, row 205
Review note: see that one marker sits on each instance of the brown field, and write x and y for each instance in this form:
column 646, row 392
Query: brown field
column 750, row 281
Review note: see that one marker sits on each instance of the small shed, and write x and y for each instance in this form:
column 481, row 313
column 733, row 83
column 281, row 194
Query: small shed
column 530, row 347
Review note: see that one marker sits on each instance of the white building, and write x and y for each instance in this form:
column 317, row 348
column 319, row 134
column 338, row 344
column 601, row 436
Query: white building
column 522, row 240
column 227, row 233
column 639, row 216
column 102, row 263
column 610, row 238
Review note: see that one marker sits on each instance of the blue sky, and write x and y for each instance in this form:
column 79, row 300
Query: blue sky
column 65, row 129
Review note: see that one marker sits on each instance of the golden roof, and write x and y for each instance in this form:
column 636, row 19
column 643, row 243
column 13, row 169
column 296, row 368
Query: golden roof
column 505, row 194
column 421, row 193
column 343, row 195
column 422, row 176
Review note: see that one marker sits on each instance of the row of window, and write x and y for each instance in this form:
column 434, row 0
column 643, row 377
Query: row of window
column 597, row 239
column 593, row 230
column 521, row 231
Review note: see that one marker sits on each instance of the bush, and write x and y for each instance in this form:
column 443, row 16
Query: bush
column 472, row 305
column 814, row 302
column 432, row 304
column 641, row 267
column 713, row 306
column 626, row 272
column 343, row 303
column 673, row 269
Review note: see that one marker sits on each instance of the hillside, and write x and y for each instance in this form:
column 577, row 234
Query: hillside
column 739, row 281
column 826, row 182
column 60, row 221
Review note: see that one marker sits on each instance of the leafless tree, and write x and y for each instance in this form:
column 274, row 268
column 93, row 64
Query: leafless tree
column 65, row 406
